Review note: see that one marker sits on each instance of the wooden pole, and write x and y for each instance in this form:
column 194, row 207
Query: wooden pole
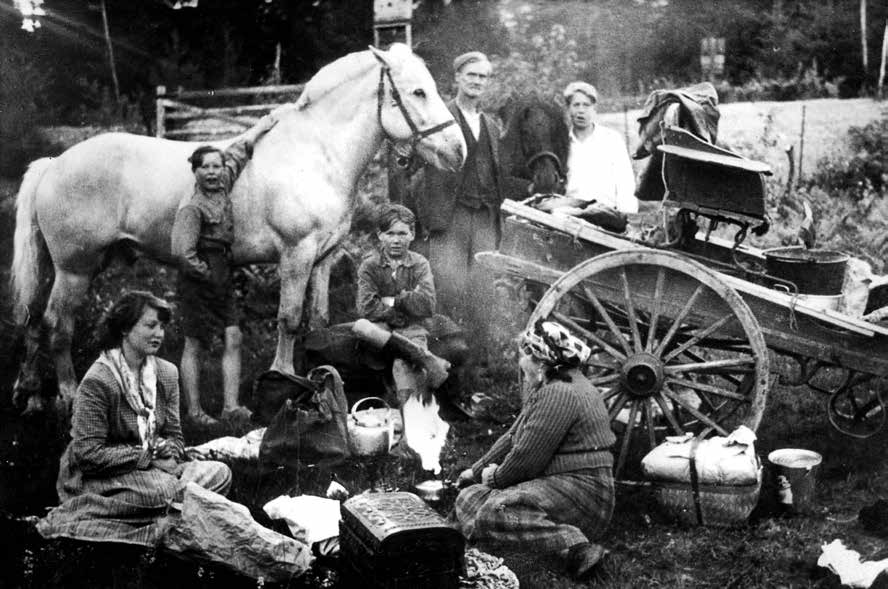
column 159, row 124
column 802, row 145
column 110, row 52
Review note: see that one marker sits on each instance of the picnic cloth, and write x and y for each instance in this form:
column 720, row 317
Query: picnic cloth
column 310, row 518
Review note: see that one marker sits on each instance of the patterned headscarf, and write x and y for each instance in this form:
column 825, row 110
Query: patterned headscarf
column 553, row 344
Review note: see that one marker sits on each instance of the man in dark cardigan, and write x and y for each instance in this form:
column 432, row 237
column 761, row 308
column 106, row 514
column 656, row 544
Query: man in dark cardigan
column 459, row 212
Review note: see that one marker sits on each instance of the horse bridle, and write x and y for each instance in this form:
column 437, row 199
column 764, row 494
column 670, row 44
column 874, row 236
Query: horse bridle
column 417, row 135
column 547, row 155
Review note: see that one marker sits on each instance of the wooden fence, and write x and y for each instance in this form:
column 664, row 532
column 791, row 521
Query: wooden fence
column 209, row 115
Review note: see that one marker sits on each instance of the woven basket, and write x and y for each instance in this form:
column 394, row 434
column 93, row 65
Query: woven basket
column 719, row 505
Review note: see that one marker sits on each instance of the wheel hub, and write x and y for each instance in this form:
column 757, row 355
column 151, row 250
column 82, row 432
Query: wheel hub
column 643, row 374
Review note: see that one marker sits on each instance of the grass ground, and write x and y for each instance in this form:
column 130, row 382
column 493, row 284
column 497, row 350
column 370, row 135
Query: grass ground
column 646, row 551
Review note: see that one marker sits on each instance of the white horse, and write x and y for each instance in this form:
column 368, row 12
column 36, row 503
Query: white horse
column 293, row 203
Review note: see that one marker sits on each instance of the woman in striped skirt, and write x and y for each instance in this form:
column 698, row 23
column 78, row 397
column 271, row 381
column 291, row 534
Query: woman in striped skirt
column 546, row 485
column 126, row 463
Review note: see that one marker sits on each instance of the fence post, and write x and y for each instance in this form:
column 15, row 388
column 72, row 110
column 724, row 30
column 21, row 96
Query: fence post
column 159, row 125
column 801, row 147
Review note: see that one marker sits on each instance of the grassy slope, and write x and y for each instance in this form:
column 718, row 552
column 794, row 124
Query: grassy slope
column 646, row 552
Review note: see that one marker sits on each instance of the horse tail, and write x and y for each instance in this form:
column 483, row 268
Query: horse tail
column 30, row 258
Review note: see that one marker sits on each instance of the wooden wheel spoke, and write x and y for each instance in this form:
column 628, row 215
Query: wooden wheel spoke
column 649, row 423
column 655, row 316
column 617, row 406
column 608, row 319
column 697, row 337
column 706, row 388
column 667, row 412
column 603, row 364
column 630, row 311
column 679, row 319
column 604, row 379
column 610, row 394
column 712, row 366
column 627, row 436
column 571, row 324
column 727, row 377
column 675, row 398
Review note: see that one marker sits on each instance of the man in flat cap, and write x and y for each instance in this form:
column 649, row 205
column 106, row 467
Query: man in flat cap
column 598, row 167
column 459, row 212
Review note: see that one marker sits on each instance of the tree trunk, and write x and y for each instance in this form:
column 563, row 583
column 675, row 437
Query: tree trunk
column 882, row 67
column 864, row 52
column 110, row 52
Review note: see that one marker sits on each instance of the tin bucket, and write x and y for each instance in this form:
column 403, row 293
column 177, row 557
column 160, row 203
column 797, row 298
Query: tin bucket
column 795, row 473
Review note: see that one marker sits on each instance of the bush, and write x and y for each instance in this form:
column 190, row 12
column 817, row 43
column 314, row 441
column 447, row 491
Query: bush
column 863, row 172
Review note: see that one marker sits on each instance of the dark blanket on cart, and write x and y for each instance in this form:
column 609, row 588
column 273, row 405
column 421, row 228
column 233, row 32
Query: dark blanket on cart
column 697, row 112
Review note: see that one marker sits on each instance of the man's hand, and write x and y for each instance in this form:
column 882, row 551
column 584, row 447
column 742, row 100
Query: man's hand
column 487, row 473
column 388, row 301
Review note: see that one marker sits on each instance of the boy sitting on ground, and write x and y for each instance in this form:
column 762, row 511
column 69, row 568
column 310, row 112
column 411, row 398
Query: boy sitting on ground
column 396, row 288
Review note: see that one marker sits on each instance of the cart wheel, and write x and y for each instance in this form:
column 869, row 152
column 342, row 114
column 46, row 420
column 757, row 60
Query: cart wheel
column 856, row 408
column 676, row 349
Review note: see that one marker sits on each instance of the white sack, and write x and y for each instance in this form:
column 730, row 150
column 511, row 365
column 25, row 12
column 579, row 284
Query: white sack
column 720, row 460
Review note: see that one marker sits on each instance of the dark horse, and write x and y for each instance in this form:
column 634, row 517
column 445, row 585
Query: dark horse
column 535, row 143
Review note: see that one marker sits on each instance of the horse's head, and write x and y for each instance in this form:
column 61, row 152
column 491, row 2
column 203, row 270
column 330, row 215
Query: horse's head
column 536, row 143
column 412, row 113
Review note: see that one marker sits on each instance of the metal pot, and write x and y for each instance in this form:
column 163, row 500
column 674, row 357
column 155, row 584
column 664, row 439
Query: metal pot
column 370, row 431
column 814, row 272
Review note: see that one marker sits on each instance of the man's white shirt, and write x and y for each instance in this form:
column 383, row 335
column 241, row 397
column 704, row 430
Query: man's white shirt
column 599, row 169
column 473, row 119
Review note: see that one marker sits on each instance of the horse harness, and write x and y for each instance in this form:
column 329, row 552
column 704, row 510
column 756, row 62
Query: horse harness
column 416, row 135
column 559, row 168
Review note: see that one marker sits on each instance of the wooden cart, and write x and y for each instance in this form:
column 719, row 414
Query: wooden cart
column 684, row 331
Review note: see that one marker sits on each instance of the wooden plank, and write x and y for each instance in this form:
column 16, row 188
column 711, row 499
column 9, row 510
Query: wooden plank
column 518, row 267
column 251, row 111
column 206, row 113
column 215, row 134
column 246, row 91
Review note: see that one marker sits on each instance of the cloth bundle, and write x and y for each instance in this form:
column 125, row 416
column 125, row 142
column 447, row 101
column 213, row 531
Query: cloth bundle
column 720, row 461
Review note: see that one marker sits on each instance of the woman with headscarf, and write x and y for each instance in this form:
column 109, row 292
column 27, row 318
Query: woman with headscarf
column 546, row 485
column 126, row 463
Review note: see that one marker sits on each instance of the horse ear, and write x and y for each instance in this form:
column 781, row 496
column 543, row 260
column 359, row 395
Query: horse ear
column 379, row 55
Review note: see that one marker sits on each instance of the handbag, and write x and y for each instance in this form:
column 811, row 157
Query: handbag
column 271, row 390
column 311, row 426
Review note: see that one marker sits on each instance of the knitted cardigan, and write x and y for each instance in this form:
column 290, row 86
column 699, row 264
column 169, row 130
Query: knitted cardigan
column 562, row 427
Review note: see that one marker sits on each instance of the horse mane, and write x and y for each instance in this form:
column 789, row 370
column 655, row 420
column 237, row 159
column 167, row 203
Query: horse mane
column 347, row 68
column 514, row 112
column 333, row 75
